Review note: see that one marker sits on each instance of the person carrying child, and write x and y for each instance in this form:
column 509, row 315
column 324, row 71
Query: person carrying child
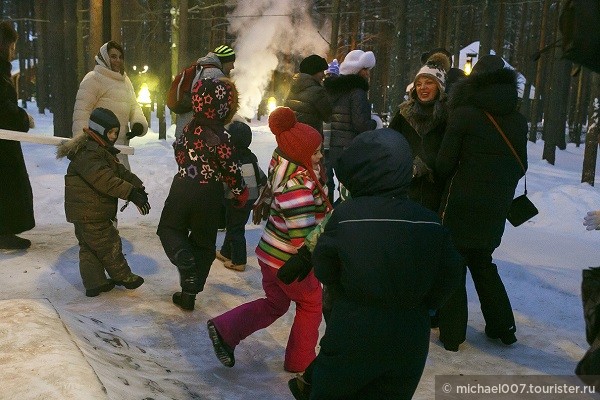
column 94, row 181
column 299, row 204
column 233, row 251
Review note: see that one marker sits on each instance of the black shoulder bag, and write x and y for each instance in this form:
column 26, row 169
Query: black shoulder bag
column 521, row 209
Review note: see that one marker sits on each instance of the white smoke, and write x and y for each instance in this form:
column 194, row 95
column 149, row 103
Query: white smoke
column 264, row 30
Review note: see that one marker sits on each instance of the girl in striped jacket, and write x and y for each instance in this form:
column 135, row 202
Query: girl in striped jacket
column 299, row 204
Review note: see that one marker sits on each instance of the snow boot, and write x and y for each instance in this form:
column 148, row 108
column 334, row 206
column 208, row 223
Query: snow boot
column 299, row 387
column 13, row 242
column 221, row 257
column 507, row 337
column 235, row 267
column 184, row 300
column 107, row 287
column 223, row 352
column 131, row 281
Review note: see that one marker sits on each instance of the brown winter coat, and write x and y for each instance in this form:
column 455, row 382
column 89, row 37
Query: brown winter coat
column 309, row 101
column 94, row 181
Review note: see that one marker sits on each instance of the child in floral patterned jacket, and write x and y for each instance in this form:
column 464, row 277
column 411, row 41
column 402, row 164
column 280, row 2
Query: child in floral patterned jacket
column 206, row 158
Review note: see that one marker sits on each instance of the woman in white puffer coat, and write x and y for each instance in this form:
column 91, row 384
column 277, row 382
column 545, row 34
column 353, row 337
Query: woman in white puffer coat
column 108, row 86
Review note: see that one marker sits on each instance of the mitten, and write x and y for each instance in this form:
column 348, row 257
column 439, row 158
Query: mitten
column 421, row 169
column 136, row 130
column 592, row 220
column 297, row 266
column 140, row 199
column 240, row 200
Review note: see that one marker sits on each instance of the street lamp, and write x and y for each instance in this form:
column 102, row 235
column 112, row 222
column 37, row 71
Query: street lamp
column 469, row 63
column 271, row 104
column 145, row 101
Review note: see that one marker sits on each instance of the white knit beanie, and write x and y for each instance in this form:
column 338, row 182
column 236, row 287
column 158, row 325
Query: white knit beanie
column 357, row 60
column 433, row 71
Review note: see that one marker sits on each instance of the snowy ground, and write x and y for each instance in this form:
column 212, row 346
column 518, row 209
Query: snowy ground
column 55, row 343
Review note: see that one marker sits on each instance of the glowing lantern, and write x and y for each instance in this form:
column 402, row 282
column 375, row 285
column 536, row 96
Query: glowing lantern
column 271, row 104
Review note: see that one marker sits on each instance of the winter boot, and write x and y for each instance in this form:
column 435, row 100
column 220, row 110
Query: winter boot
column 13, row 242
column 107, row 287
column 221, row 257
column 131, row 281
column 190, row 284
column 299, row 387
column 223, row 352
column 507, row 337
column 184, row 300
column 236, row 267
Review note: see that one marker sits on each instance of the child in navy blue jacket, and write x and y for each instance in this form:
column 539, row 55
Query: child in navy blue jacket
column 233, row 252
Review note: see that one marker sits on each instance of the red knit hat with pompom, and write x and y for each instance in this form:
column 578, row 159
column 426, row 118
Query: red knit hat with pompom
column 296, row 140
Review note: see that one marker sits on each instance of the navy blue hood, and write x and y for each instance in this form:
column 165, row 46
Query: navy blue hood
column 377, row 163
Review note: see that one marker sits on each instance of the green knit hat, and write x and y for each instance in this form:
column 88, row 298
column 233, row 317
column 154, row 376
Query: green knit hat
column 225, row 54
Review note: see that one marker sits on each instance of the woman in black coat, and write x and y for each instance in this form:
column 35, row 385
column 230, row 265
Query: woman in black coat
column 16, row 197
column 390, row 261
column 482, row 177
column 422, row 121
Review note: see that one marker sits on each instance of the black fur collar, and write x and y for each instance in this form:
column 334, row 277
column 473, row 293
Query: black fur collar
column 345, row 83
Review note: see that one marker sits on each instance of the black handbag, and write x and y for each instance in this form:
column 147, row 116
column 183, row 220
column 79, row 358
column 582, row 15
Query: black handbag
column 521, row 209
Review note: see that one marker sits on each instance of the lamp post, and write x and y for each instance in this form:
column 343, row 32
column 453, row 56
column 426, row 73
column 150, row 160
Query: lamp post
column 145, row 101
column 469, row 63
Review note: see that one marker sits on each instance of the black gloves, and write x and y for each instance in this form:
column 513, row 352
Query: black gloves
column 297, row 266
column 139, row 197
column 136, row 130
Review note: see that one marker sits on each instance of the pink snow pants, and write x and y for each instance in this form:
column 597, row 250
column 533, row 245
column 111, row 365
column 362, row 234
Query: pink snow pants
column 240, row 322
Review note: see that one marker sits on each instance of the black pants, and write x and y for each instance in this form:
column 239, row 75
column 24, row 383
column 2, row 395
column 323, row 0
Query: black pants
column 234, row 244
column 495, row 305
column 189, row 221
column 370, row 353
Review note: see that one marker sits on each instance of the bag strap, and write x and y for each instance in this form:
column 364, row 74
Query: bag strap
column 510, row 146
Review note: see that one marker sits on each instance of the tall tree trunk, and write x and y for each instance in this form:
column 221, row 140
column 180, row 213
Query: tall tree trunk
column 335, row 30
column 487, row 28
column 115, row 21
column 69, row 80
column 535, row 115
column 41, row 79
column 174, row 39
column 591, row 137
column 458, row 16
column 383, row 50
column 500, row 26
column 96, row 30
column 442, row 23
column 22, row 51
column 183, row 58
column 84, row 54
column 576, row 120
column 56, row 34
column 398, row 72
column 556, row 104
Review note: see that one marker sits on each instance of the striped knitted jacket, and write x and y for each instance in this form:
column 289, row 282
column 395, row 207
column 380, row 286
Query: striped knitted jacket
column 296, row 209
